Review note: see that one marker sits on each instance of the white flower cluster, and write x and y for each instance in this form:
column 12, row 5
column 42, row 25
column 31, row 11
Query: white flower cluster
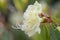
column 32, row 21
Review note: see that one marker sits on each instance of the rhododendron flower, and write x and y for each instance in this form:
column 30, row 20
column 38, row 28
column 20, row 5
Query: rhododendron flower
column 32, row 20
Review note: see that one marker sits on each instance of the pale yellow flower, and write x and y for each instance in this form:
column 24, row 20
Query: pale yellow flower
column 32, row 20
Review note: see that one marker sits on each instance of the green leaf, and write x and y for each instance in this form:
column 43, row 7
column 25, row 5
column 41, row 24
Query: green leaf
column 54, row 34
column 56, row 20
column 45, row 32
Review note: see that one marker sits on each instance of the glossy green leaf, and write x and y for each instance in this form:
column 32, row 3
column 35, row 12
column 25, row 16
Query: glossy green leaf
column 45, row 32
